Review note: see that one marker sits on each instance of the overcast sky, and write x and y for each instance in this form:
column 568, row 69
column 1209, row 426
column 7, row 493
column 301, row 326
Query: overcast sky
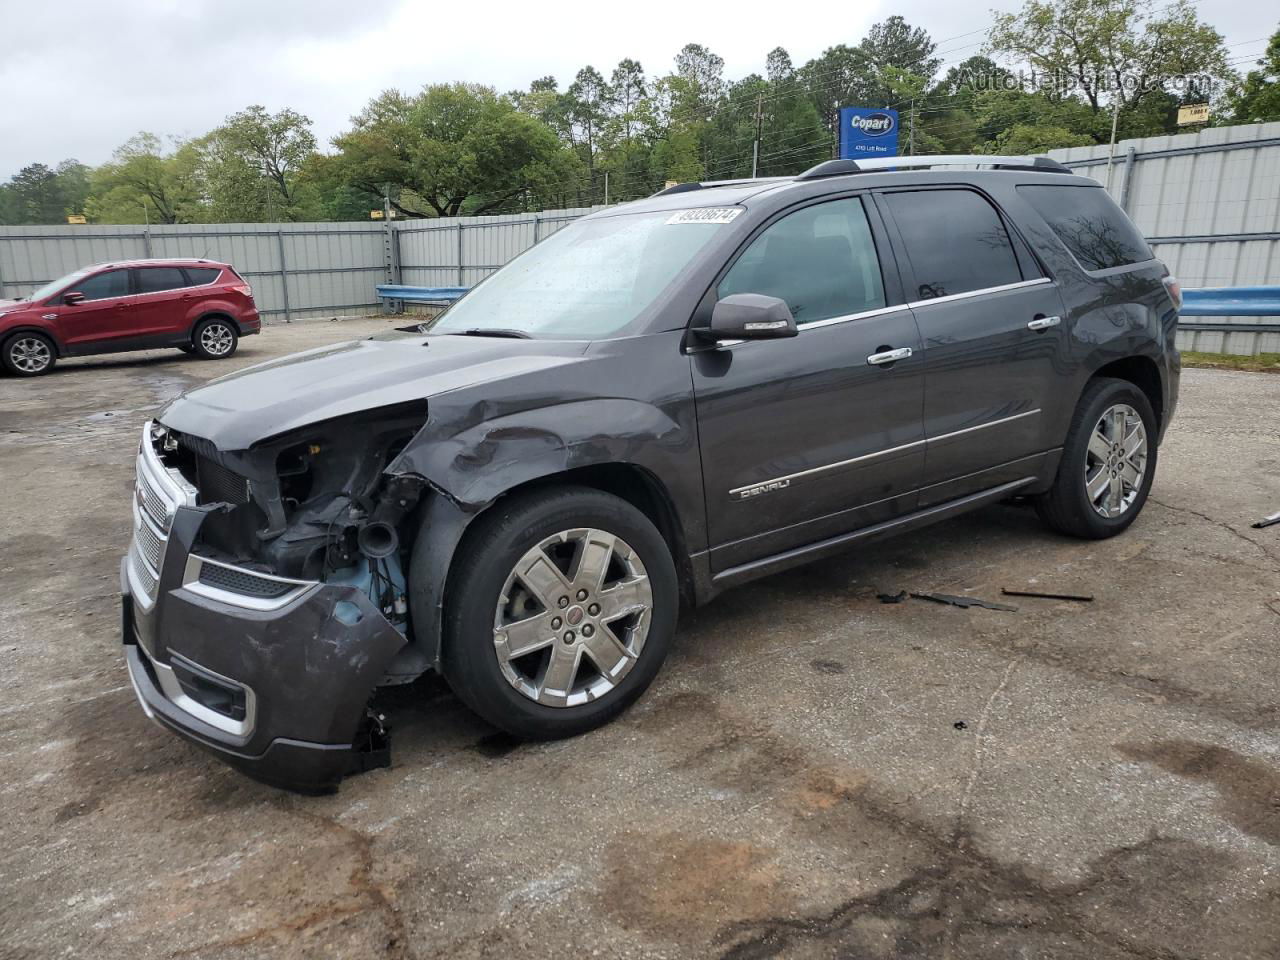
column 78, row 77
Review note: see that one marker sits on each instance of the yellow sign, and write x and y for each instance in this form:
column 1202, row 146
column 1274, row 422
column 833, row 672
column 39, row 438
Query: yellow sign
column 76, row 218
column 375, row 215
column 1193, row 114
column 672, row 183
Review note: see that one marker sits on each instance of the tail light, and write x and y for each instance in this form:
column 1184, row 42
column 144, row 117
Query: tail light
column 244, row 288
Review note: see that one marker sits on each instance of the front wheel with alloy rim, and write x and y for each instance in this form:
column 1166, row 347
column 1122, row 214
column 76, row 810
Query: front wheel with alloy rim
column 1108, row 463
column 214, row 339
column 561, row 608
column 28, row 354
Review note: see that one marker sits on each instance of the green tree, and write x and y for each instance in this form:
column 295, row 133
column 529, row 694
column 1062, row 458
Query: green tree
column 250, row 164
column 1257, row 99
column 39, row 194
column 453, row 149
column 143, row 183
column 1113, row 49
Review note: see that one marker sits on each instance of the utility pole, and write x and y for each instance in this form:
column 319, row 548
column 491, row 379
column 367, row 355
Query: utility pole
column 911, row 141
column 606, row 188
column 1111, row 150
column 755, row 147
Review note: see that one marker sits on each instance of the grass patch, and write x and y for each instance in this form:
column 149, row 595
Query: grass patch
column 1262, row 363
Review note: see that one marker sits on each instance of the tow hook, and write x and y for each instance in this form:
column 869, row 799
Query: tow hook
column 372, row 747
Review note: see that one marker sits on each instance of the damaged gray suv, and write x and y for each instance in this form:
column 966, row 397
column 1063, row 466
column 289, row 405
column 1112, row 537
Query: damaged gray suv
column 661, row 401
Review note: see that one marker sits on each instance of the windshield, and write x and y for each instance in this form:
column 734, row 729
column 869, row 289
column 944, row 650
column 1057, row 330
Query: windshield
column 53, row 286
column 590, row 279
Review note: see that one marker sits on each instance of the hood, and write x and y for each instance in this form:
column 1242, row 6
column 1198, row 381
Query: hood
column 243, row 408
column 7, row 305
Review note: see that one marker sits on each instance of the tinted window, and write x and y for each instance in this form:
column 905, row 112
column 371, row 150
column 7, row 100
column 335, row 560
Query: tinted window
column 155, row 279
column 821, row 260
column 202, row 275
column 113, row 283
column 1088, row 221
column 955, row 240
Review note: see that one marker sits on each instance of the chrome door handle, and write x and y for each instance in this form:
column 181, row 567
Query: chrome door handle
column 1044, row 323
column 889, row 356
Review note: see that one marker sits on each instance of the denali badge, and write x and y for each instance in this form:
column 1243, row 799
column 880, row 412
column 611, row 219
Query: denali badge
column 746, row 493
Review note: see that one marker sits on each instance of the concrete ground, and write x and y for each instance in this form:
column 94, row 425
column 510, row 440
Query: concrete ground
column 813, row 774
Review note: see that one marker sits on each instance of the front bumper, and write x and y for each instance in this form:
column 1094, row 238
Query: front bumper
column 277, row 687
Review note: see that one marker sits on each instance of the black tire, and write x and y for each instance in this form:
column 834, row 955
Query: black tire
column 1067, row 507
column 28, row 354
column 214, row 338
column 488, row 556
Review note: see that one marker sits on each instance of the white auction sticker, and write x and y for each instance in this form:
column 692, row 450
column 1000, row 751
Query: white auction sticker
column 706, row 215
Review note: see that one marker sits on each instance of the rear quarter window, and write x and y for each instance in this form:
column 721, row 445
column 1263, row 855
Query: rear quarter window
column 202, row 275
column 1089, row 224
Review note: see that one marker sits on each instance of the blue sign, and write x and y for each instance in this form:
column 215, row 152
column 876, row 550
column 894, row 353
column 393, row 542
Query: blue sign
column 868, row 132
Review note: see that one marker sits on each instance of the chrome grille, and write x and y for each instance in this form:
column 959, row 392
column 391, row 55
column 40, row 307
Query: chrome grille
column 144, row 576
column 158, row 493
column 153, row 503
column 150, row 546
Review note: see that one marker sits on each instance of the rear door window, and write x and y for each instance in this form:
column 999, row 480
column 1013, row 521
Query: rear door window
column 1089, row 223
column 821, row 260
column 955, row 240
column 103, row 286
column 202, row 275
column 156, row 279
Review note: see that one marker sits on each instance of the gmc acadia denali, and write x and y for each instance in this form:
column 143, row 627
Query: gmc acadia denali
column 661, row 401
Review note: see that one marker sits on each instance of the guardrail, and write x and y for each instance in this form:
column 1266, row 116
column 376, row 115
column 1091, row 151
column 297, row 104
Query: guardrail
column 1258, row 301
column 409, row 294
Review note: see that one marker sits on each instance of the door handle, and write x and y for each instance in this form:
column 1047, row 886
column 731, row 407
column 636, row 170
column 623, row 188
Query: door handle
column 1043, row 323
column 889, row 356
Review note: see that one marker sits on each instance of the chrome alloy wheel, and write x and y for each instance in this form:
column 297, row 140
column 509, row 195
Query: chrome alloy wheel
column 572, row 617
column 30, row 354
column 1116, row 462
column 216, row 339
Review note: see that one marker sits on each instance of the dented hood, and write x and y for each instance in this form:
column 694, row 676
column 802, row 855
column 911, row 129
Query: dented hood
column 266, row 400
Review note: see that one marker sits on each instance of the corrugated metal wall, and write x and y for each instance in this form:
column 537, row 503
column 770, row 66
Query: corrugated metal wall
column 1209, row 202
column 461, row 251
column 296, row 269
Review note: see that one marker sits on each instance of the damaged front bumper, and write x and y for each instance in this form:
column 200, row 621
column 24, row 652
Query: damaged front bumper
column 271, row 675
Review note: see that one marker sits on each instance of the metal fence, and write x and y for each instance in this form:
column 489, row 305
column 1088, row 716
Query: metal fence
column 1209, row 202
column 297, row 269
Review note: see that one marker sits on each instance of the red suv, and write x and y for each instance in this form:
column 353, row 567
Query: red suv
column 198, row 306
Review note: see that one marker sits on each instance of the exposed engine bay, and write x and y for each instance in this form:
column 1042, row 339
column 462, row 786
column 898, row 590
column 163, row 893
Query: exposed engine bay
column 312, row 505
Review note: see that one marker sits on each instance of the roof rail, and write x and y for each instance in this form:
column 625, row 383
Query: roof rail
column 706, row 184
column 839, row 168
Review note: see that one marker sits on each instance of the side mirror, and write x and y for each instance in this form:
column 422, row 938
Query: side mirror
column 72, row 298
column 752, row 316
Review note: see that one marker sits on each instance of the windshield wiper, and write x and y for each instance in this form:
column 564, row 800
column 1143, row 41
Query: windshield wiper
column 493, row 332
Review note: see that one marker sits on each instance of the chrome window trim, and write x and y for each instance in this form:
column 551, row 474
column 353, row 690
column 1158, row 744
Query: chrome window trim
column 192, row 584
column 982, row 291
column 910, row 305
column 832, row 321
column 738, row 492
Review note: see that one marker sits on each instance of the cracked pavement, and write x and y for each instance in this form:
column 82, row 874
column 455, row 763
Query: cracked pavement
column 794, row 784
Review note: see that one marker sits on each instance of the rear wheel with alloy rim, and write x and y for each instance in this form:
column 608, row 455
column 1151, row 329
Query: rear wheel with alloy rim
column 1108, row 462
column 561, row 609
column 214, row 339
column 28, row 354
